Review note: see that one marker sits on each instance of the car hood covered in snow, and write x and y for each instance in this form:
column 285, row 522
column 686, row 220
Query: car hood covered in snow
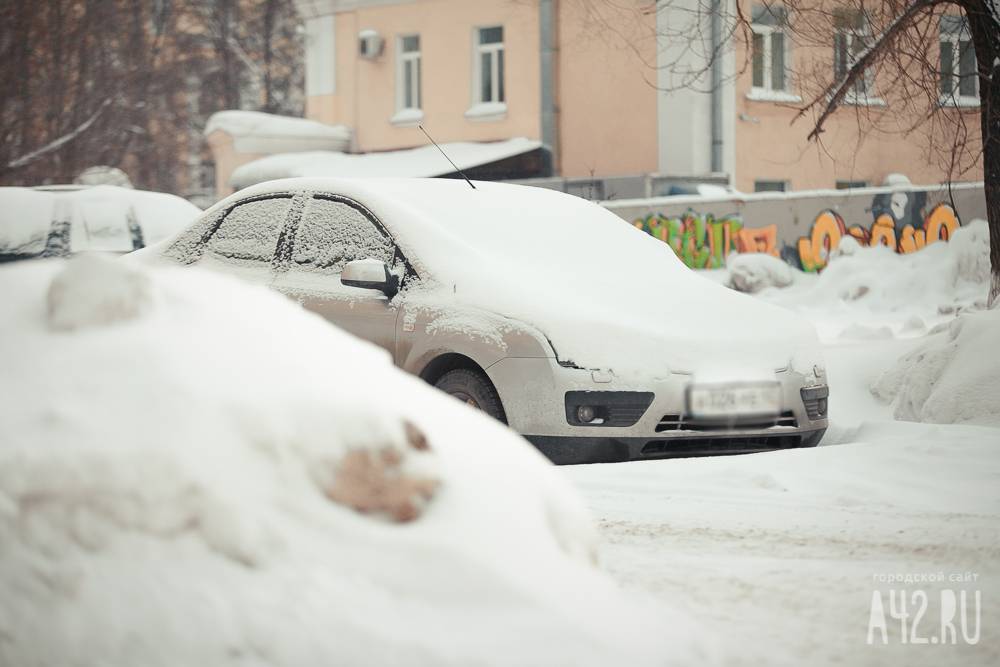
column 605, row 294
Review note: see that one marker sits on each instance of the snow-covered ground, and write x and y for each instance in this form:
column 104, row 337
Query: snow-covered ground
column 781, row 553
column 175, row 488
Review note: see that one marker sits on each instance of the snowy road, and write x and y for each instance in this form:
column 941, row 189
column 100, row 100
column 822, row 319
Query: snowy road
column 780, row 553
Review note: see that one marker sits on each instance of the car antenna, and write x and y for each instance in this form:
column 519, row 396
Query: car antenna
column 446, row 157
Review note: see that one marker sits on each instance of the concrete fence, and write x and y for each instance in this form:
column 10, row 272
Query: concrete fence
column 803, row 227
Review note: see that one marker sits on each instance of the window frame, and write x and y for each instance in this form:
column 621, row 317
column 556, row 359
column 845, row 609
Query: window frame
column 851, row 35
column 286, row 242
column 405, row 60
column 498, row 89
column 199, row 245
column 766, row 31
column 770, row 181
column 955, row 38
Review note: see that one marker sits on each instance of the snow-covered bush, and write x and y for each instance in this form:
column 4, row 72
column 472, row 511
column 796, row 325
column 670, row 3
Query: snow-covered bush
column 197, row 471
column 953, row 377
column 752, row 272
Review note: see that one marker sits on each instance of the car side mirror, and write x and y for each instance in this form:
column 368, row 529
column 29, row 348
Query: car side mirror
column 370, row 274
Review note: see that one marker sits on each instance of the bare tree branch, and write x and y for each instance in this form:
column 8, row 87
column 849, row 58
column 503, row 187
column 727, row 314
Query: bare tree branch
column 868, row 59
column 58, row 143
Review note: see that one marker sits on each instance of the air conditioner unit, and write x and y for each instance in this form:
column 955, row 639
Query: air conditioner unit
column 370, row 44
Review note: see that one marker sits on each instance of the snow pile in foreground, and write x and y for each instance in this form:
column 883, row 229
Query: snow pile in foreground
column 196, row 471
column 952, row 377
column 868, row 293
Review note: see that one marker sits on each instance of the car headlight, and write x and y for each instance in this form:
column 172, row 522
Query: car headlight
column 815, row 400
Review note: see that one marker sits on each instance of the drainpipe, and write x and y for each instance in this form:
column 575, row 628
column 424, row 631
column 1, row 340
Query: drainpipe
column 716, row 79
column 549, row 61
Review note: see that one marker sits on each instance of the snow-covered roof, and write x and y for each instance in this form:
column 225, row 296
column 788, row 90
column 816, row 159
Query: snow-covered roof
column 258, row 132
column 425, row 161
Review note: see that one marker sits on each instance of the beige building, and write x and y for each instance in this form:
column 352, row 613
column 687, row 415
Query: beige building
column 594, row 94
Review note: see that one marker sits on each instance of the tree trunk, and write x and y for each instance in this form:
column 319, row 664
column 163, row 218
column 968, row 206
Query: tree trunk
column 269, row 11
column 984, row 26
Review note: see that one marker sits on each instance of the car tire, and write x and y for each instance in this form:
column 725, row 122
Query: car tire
column 474, row 389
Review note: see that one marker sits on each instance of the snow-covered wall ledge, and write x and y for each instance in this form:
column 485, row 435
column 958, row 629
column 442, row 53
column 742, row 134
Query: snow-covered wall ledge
column 803, row 227
column 238, row 137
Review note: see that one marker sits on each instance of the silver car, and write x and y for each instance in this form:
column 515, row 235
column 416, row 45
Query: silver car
column 582, row 333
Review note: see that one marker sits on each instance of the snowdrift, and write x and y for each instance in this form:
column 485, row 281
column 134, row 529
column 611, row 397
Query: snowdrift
column 873, row 292
column 196, row 471
column 953, row 377
column 869, row 294
column 753, row 272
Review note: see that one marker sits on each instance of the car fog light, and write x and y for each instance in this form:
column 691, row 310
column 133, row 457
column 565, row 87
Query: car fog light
column 585, row 413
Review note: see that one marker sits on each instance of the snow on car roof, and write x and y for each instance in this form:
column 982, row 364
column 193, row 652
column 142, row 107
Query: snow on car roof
column 605, row 293
column 98, row 216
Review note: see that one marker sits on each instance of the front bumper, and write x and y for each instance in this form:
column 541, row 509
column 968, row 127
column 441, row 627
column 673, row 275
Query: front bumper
column 533, row 394
column 568, row 450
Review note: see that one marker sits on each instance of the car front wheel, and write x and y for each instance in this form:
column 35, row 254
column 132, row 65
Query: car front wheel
column 474, row 389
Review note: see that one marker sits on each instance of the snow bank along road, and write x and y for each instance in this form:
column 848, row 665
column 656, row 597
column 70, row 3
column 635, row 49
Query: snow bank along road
column 782, row 553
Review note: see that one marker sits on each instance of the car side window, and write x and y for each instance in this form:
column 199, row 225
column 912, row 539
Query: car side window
column 250, row 231
column 333, row 233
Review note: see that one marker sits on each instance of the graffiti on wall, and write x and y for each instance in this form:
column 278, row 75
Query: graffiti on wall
column 703, row 242
column 896, row 231
column 898, row 221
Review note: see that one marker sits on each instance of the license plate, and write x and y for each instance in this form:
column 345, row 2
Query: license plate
column 736, row 400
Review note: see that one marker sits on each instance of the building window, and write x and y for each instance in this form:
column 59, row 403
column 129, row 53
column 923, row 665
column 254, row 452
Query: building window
column 959, row 73
column 489, row 72
column 770, row 186
column 408, row 94
column 851, row 39
column 770, row 48
column 850, row 185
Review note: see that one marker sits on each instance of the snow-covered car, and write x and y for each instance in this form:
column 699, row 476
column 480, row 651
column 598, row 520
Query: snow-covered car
column 584, row 334
column 60, row 220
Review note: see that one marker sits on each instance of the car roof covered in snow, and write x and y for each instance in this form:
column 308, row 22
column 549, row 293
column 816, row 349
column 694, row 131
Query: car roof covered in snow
column 98, row 217
column 592, row 282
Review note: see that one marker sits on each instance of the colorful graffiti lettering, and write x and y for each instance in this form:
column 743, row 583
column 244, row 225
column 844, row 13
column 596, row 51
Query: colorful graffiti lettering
column 702, row 242
column 828, row 229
